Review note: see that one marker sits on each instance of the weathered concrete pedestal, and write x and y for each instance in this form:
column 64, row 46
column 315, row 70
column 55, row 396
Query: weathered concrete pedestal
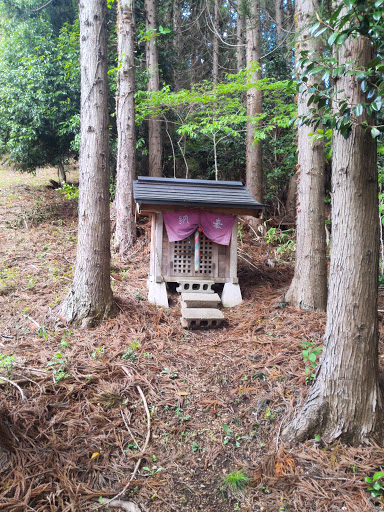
column 231, row 295
column 157, row 293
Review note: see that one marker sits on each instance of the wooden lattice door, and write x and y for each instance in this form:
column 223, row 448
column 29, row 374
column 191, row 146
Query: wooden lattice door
column 182, row 257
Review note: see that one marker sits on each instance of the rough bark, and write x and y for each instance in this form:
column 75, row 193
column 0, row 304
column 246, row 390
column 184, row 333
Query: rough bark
column 240, row 35
column 90, row 297
column 345, row 401
column 154, row 123
column 215, row 69
column 254, row 160
column 308, row 289
column 126, row 135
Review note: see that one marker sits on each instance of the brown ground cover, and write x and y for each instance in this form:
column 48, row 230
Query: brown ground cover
column 187, row 408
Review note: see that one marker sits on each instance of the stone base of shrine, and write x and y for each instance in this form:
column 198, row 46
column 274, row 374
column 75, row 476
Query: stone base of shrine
column 231, row 295
column 157, row 293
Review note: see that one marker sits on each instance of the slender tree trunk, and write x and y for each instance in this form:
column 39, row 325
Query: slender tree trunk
column 177, row 40
column 90, row 297
column 345, row 401
column 126, row 135
column 279, row 19
column 61, row 173
column 216, row 43
column 308, row 289
column 154, row 123
column 254, row 159
column 290, row 204
column 240, row 35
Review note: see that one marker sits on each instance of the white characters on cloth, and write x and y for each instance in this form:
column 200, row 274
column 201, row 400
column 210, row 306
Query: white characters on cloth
column 218, row 224
column 183, row 219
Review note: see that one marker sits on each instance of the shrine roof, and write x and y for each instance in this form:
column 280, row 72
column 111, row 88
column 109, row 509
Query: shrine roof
column 158, row 194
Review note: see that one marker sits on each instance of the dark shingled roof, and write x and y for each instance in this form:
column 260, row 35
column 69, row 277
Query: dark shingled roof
column 195, row 193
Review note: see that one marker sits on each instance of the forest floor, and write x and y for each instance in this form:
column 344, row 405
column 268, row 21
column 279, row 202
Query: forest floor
column 188, row 407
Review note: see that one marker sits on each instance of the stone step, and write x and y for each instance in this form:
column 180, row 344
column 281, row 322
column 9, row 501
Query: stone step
column 197, row 318
column 195, row 286
column 199, row 300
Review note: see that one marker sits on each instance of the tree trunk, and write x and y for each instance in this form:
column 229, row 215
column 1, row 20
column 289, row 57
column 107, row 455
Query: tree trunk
column 308, row 289
column 254, row 160
column 126, row 134
column 177, row 41
column 61, row 173
column 279, row 19
column 216, row 43
column 240, row 35
column 90, row 297
column 290, row 204
column 154, row 124
column 345, row 401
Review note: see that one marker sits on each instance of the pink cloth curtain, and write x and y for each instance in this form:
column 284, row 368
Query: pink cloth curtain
column 182, row 223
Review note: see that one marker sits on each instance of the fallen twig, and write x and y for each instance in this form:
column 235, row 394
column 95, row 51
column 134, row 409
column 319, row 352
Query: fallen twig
column 15, row 385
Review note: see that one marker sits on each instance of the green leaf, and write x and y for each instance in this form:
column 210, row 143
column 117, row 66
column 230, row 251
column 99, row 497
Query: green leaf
column 378, row 3
column 368, row 479
column 314, row 28
column 375, row 132
column 312, row 357
column 378, row 475
column 332, row 38
column 371, row 94
column 358, row 110
column 227, row 430
column 335, row 15
column 321, row 31
column 315, row 70
column 374, row 62
column 376, row 105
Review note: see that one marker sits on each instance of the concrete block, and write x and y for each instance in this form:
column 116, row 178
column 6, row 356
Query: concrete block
column 195, row 286
column 197, row 318
column 231, row 295
column 200, row 300
column 157, row 294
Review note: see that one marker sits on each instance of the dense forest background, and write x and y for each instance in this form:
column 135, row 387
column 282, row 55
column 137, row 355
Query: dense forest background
column 40, row 89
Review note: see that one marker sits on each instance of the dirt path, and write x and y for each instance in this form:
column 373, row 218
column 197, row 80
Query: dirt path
column 217, row 400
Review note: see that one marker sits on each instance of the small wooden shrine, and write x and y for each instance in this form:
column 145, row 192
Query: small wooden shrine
column 194, row 235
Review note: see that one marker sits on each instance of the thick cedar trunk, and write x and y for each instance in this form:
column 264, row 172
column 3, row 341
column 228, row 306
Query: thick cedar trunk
column 279, row 19
column 254, row 160
column 126, row 135
column 154, row 124
column 216, row 42
column 90, row 297
column 345, row 401
column 240, row 35
column 308, row 289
